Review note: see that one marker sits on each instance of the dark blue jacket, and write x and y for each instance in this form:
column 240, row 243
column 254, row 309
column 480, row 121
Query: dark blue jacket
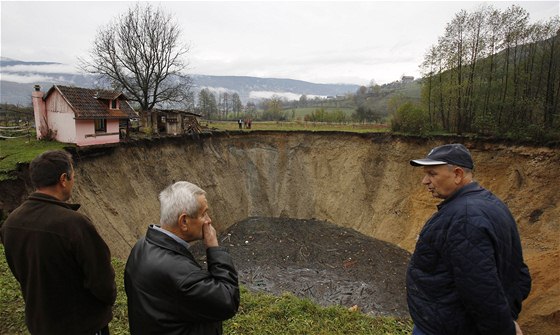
column 467, row 274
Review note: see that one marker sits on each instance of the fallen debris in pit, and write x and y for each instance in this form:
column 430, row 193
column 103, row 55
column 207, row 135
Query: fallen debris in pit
column 329, row 264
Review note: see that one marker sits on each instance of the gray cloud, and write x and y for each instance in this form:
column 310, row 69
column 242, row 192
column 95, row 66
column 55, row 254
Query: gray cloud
column 318, row 41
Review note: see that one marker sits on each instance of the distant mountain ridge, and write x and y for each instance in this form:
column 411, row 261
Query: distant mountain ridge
column 4, row 61
column 272, row 84
column 248, row 88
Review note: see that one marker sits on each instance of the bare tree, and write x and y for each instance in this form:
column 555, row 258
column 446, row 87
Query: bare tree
column 237, row 104
column 207, row 103
column 141, row 54
column 226, row 103
column 515, row 25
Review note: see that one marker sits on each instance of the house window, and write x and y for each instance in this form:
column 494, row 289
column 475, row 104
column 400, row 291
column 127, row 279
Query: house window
column 101, row 125
column 114, row 104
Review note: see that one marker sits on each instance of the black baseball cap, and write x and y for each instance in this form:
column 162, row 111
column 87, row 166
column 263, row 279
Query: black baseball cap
column 454, row 154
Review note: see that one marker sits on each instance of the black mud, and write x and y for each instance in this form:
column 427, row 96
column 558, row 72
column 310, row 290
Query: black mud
column 326, row 263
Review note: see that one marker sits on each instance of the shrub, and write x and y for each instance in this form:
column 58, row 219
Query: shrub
column 410, row 118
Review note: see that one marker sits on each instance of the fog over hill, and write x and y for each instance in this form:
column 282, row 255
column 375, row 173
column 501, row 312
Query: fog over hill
column 18, row 78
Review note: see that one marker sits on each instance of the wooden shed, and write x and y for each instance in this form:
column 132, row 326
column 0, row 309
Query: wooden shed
column 173, row 121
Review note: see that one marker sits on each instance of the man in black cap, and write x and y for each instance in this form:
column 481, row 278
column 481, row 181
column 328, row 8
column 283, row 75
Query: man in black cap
column 467, row 274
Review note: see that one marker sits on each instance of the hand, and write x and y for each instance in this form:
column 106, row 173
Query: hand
column 517, row 329
column 209, row 235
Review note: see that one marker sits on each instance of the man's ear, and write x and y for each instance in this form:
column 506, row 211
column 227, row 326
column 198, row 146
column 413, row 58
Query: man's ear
column 63, row 179
column 459, row 174
column 183, row 222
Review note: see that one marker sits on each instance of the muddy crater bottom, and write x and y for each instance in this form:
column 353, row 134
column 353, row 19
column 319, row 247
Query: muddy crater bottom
column 329, row 264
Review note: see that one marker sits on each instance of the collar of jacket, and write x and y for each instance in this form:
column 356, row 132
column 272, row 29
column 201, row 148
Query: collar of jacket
column 38, row 196
column 164, row 241
column 470, row 187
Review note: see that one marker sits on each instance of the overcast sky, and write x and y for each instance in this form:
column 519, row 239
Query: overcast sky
column 315, row 41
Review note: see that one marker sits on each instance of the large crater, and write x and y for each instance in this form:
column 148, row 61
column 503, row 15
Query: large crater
column 362, row 182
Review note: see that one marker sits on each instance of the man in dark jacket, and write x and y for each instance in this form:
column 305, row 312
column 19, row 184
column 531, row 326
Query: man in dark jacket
column 467, row 274
column 62, row 264
column 168, row 291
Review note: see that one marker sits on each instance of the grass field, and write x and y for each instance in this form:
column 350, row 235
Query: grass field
column 22, row 150
column 259, row 314
column 299, row 126
column 300, row 113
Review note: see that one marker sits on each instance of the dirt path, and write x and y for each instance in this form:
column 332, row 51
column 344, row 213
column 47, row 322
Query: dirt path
column 320, row 261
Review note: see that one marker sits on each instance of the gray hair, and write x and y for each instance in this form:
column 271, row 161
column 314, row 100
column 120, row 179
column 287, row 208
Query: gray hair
column 467, row 170
column 178, row 198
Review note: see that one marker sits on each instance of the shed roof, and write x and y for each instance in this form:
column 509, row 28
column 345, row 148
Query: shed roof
column 88, row 103
column 178, row 111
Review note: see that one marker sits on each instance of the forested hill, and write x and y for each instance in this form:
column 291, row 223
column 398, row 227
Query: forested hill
column 494, row 73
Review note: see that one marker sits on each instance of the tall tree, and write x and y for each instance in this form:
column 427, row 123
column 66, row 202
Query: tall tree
column 494, row 25
column 552, row 97
column 141, row 53
column 493, row 73
column 515, row 22
column 207, row 104
column 237, row 105
column 251, row 109
column 454, row 41
column 361, row 95
column 204, row 102
column 303, row 101
column 273, row 109
column 428, row 67
column 225, row 103
column 476, row 39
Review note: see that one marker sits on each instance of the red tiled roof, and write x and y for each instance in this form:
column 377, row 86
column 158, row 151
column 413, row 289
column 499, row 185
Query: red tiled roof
column 90, row 103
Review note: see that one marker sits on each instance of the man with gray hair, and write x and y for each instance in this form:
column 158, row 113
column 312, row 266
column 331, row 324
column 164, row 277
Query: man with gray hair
column 168, row 291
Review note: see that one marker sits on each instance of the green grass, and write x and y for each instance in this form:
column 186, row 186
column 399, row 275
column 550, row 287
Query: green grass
column 300, row 113
column 299, row 126
column 22, row 150
column 11, row 302
column 262, row 314
column 259, row 314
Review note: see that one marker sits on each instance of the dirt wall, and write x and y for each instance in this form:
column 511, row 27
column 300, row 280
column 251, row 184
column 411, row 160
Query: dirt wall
column 360, row 181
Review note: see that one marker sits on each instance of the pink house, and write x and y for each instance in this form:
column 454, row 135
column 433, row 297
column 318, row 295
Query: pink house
column 82, row 116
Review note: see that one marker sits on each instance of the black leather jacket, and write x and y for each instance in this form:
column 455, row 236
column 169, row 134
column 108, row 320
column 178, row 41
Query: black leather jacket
column 169, row 292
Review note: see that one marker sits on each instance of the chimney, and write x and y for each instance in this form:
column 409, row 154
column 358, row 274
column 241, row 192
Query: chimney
column 39, row 110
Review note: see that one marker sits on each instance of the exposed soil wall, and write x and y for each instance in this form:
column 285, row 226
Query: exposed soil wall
column 359, row 181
